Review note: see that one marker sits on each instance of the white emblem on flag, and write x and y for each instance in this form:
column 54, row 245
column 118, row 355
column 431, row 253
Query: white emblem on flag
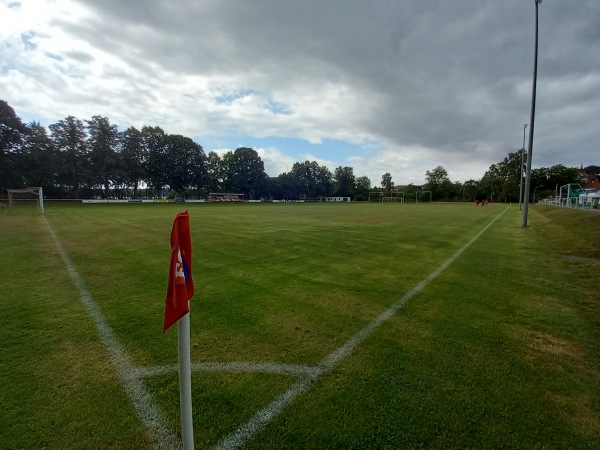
column 179, row 273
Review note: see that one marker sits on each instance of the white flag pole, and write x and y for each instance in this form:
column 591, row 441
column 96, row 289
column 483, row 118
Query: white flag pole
column 185, row 382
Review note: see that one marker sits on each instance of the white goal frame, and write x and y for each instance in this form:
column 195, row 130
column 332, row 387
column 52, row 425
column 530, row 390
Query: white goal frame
column 375, row 193
column 30, row 190
column 423, row 192
column 398, row 193
column 391, row 199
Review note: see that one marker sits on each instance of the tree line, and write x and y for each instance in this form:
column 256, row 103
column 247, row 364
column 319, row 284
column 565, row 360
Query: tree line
column 75, row 158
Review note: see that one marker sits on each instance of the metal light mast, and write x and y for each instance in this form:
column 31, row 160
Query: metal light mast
column 531, row 120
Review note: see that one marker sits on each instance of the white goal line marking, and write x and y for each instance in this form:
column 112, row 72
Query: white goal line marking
column 303, row 384
column 147, row 410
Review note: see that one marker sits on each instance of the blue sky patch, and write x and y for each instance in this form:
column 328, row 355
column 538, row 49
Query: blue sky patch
column 278, row 108
column 332, row 150
column 27, row 40
column 229, row 98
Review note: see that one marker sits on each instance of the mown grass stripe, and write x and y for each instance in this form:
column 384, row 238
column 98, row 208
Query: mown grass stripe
column 235, row 367
column 147, row 410
column 273, row 409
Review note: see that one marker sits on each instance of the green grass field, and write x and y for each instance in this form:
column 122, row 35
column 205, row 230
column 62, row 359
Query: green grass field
column 501, row 349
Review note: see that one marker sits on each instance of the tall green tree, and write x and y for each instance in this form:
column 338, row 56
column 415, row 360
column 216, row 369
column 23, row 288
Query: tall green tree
column 362, row 188
column 155, row 165
column 491, row 186
column 181, row 157
column 435, row 180
column 306, row 178
column 12, row 131
column 132, row 156
column 325, row 182
column 245, row 172
column 503, row 179
column 39, row 158
column 199, row 167
column 560, row 175
column 214, row 172
column 104, row 145
column 386, row 182
column 344, row 181
column 454, row 190
column 470, row 190
column 284, row 187
column 311, row 179
column 547, row 180
column 410, row 193
column 592, row 170
column 70, row 140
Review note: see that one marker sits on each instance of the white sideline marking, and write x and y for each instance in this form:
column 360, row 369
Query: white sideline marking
column 148, row 412
column 273, row 409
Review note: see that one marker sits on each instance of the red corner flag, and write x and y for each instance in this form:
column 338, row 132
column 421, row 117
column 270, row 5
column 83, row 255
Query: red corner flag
column 180, row 287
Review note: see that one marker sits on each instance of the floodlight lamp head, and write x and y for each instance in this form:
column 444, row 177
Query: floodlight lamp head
column 538, row 2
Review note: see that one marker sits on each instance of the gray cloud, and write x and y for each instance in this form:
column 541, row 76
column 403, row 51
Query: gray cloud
column 434, row 82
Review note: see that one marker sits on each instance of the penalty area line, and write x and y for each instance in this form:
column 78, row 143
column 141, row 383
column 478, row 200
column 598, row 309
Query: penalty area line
column 147, row 410
column 246, row 431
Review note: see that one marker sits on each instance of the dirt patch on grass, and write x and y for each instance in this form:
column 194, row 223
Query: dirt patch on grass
column 548, row 349
column 578, row 410
column 547, row 303
column 554, row 352
column 581, row 258
column 554, row 345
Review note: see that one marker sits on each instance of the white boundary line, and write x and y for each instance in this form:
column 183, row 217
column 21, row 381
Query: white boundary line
column 302, row 385
column 147, row 410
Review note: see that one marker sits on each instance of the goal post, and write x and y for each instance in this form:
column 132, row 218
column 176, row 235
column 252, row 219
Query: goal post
column 418, row 193
column 394, row 196
column 376, row 195
column 396, row 199
column 28, row 194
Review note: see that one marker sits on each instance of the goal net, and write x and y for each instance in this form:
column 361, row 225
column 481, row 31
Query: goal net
column 28, row 196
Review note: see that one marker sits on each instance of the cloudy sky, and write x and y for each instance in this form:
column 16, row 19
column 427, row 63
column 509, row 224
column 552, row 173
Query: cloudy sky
column 397, row 86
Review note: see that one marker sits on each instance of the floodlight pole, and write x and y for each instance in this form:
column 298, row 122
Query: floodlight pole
column 531, row 120
column 521, row 168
